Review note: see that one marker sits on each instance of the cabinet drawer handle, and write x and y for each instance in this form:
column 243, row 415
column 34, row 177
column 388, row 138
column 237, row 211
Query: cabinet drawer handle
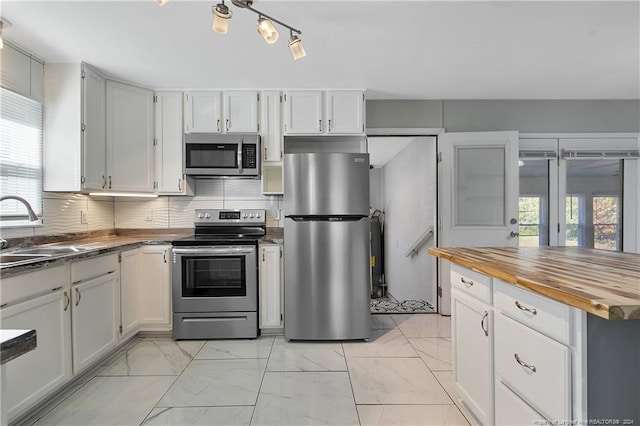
column 526, row 309
column 484, row 317
column 524, row 364
column 78, row 296
column 469, row 282
column 67, row 300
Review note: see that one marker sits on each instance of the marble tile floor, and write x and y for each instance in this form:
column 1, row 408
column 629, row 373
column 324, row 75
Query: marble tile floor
column 402, row 376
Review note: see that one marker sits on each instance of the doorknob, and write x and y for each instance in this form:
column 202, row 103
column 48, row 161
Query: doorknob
column 514, row 234
column 513, row 221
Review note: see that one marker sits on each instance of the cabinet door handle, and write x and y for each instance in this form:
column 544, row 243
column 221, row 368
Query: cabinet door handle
column 329, row 125
column 78, row 296
column 67, row 300
column 467, row 282
column 525, row 308
column 227, row 124
column 180, row 184
column 218, row 125
column 265, row 153
column 164, row 256
column 104, row 181
column 109, row 182
column 524, row 364
column 320, row 125
column 484, row 317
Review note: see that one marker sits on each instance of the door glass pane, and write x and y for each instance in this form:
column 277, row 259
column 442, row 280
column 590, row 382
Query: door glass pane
column 594, row 204
column 480, row 187
column 210, row 276
column 533, row 211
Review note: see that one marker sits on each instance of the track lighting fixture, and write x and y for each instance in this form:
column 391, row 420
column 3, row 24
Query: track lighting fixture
column 265, row 26
column 221, row 16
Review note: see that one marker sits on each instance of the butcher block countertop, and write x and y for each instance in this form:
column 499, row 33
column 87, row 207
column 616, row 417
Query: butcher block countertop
column 600, row 282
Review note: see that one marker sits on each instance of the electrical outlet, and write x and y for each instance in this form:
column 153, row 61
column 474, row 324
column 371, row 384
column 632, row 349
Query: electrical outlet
column 83, row 217
column 148, row 215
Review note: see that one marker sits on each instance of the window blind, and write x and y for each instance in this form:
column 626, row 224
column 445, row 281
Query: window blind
column 20, row 154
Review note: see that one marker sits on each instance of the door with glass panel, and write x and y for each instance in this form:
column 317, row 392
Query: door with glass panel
column 599, row 193
column 478, row 197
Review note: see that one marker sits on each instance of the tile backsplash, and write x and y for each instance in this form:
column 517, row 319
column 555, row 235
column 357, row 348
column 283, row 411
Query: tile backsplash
column 67, row 213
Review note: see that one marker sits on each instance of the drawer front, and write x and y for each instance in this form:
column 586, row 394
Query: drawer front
column 534, row 366
column 512, row 410
column 29, row 284
column 538, row 312
column 471, row 282
column 93, row 267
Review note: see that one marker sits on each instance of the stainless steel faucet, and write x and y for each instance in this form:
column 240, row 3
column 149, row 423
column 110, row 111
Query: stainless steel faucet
column 32, row 215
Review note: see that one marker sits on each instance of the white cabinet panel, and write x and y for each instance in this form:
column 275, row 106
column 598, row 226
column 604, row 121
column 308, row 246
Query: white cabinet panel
column 303, row 112
column 35, row 374
column 155, row 288
column 202, row 112
column 169, row 153
column 345, row 111
column 129, row 122
column 129, row 300
column 511, row 410
column 271, row 295
column 535, row 366
column 241, row 111
column 94, row 176
column 94, row 320
column 473, row 354
column 271, row 127
column 472, row 283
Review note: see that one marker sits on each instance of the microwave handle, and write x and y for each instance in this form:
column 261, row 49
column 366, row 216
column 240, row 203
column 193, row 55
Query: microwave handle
column 240, row 156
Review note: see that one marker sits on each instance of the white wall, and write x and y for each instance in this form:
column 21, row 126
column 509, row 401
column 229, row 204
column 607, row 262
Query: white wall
column 409, row 182
column 375, row 189
column 177, row 212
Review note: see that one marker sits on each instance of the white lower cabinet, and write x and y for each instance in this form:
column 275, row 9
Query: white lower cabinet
column 95, row 319
column 155, row 288
column 129, row 299
column 473, row 354
column 511, row 410
column 271, row 291
column 34, row 375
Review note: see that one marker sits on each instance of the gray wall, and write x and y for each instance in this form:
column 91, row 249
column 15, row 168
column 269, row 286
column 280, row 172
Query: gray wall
column 572, row 116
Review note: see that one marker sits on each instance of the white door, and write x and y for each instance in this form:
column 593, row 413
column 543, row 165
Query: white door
column 345, row 111
column 155, row 288
column 478, row 197
column 169, row 138
column 202, row 112
column 129, row 293
column 241, row 111
column 93, row 130
column 303, row 112
column 271, row 286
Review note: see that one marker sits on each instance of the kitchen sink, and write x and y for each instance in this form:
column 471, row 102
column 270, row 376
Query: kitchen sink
column 51, row 251
column 6, row 259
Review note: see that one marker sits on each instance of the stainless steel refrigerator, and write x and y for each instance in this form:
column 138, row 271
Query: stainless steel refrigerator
column 326, row 246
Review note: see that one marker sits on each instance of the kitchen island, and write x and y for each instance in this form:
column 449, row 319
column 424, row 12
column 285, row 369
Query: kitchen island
column 546, row 334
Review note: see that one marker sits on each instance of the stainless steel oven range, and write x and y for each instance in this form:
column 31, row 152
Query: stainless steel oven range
column 215, row 276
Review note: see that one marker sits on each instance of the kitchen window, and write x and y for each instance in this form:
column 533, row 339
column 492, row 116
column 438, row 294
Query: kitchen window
column 20, row 156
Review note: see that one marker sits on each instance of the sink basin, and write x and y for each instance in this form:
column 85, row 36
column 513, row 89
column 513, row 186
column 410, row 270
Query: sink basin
column 50, row 251
column 12, row 258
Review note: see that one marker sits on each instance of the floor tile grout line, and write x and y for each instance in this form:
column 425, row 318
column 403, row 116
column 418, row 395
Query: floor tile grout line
column 173, row 383
column 353, row 392
column 266, row 365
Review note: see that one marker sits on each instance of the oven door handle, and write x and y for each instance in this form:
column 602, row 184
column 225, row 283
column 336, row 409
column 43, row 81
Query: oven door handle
column 224, row 251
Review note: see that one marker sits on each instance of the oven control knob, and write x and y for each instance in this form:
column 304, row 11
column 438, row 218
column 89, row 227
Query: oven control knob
column 200, row 215
column 258, row 215
column 251, row 215
column 244, row 215
column 208, row 215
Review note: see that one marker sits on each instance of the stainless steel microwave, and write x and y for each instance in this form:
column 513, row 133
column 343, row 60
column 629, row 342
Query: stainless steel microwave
column 222, row 155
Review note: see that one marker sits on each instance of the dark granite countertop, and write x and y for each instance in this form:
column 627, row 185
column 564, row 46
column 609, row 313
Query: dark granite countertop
column 14, row 343
column 274, row 236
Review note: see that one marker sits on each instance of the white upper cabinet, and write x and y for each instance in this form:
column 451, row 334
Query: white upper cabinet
column 345, row 111
column 317, row 112
column 204, row 112
column 303, row 112
column 241, row 111
column 94, row 146
column 271, row 127
column 129, row 138
column 171, row 180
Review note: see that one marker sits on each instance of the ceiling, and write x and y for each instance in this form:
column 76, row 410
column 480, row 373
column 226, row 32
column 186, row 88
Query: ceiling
column 394, row 49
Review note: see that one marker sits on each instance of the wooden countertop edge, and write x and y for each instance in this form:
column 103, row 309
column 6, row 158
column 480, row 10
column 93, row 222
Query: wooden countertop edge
column 567, row 298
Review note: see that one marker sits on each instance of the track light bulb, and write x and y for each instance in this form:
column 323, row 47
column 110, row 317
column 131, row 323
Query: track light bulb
column 221, row 16
column 162, row 2
column 297, row 49
column 267, row 30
